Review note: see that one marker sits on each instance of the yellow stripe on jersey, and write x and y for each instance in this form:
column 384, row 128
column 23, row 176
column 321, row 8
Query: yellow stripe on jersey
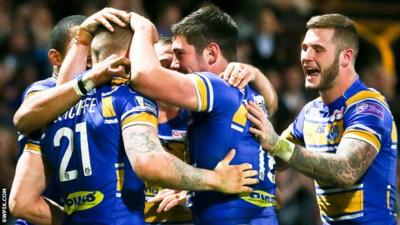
column 120, row 178
column 388, row 199
column 108, row 108
column 394, row 133
column 287, row 134
column 240, row 116
column 202, row 95
column 343, row 203
column 32, row 93
column 143, row 118
column 117, row 81
column 364, row 136
column 365, row 94
column 32, row 147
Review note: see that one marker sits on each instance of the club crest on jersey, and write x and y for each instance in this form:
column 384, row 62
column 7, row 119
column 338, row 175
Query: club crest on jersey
column 82, row 200
column 333, row 134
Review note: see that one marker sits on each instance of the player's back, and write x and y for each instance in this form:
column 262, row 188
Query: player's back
column 84, row 148
column 221, row 126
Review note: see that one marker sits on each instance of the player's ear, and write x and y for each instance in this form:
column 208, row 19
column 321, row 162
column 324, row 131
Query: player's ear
column 54, row 57
column 211, row 53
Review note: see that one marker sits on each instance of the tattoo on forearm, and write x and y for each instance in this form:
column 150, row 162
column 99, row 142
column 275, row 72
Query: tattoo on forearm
column 348, row 164
column 190, row 177
column 142, row 142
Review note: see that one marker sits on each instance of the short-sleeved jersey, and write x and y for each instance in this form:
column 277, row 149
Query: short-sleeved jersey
column 361, row 114
column 29, row 91
column 173, row 138
column 84, row 148
column 219, row 125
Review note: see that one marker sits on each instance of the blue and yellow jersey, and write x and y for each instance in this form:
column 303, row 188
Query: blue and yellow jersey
column 219, row 125
column 362, row 114
column 32, row 143
column 84, row 149
column 173, row 138
column 29, row 91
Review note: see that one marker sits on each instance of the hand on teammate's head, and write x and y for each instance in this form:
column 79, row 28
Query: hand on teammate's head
column 138, row 22
column 106, row 17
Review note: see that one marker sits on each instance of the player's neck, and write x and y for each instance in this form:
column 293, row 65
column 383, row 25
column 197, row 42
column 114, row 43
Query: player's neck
column 166, row 112
column 219, row 66
column 342, row 82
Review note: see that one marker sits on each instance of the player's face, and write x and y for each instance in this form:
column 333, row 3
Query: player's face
column 164, row 54
column 186, row 59
column 319, row 59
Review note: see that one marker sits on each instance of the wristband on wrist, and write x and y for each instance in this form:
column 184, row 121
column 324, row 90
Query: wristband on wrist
column 88, row 84
column 283, row 149
column 76, row 87
column 83, row 85
column 83, row 37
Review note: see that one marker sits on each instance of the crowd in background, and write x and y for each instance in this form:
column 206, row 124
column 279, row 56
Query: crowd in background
column 270, row 35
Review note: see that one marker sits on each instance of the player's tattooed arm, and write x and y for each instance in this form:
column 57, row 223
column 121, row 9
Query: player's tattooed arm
column 342, row 169
column 152, row 163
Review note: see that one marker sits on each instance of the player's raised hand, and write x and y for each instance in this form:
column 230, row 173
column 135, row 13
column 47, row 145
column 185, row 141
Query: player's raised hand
column 112, row 66
column 262, row 127
column 139, row 23
column 169, row 198
column 105, row 17
column 235, row 178
column 238, row 74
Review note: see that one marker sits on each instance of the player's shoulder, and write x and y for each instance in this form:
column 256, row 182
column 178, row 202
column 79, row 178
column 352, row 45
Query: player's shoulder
column 40, row 85
column 366, row 95
column 209, row 78
column 315, row 104
column 367, row 101
column 124, row 93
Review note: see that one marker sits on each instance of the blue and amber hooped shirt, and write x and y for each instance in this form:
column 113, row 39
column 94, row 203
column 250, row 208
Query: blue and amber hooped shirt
column 361, row 114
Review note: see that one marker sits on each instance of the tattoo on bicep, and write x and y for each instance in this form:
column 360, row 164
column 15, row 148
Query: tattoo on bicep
column 360, row 155
column 142, row 142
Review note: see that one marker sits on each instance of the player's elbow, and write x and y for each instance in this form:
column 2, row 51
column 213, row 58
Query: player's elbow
column 345, row 182
column 18, row 207
column 20, row 121
column 144, row 167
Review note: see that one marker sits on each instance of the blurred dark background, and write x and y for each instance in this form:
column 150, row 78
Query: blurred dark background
column 270, row 35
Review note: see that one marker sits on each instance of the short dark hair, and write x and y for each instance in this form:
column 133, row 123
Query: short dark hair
column 106, row 43
column 345, row 31
column 60, row 35
column 206, row 25
column 165, row 40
